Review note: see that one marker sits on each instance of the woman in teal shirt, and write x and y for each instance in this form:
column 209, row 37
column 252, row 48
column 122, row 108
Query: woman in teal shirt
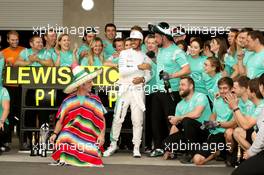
column 229, row 64
column 95, row 56
column 86, row 46
column 64, row 56
column 196, row 61
column 211, row 75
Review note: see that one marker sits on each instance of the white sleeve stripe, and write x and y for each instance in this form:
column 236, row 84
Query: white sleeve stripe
column 175, row 53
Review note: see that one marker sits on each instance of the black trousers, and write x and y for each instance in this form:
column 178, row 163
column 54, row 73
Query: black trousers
column 193, row 132
column 249, row 134
column 162, row 106
column 4, row 135
column 175, row 143
column 148, row 130
column 252, row 166
column 189, row 132
column 215, row 142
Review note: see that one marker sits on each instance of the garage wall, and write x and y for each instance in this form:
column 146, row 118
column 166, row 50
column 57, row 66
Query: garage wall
column 190, row 13
column 26, row 14
column 74, row 15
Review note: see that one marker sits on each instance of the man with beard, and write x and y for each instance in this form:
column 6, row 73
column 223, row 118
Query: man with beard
column 171, row 60
column 190, row 113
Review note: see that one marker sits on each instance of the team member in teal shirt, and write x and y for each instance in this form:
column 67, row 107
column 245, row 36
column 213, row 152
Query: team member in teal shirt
column 196, row 62
column 50, row 38
column 108, row 49
column 241, row 134
column 95, row 56
column 86, row 46
column 245, row 105
column 185, row 106
column 219, row 48
column 172, row 61
column 128, row 43
column 231, row 38
column 64, row 56
column 4, row 123
column 151, row 46
column 238, row 50
column 190, row 113
column 4, row 105
column 150, row 87
column 194, row 105
column 110, row 34
column 119, row 45
column 83, row 50
column 230, row 65
column 223, row 116
column 254, row 63
column 254, row 161
column 36, row 56
column 211, row 75
column 247, row 118
column 143, row 48
column 241, row 51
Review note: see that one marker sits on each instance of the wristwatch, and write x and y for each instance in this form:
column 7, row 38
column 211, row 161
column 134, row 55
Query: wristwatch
column 236, row 109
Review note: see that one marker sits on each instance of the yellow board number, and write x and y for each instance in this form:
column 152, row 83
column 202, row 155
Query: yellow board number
column 41, row 95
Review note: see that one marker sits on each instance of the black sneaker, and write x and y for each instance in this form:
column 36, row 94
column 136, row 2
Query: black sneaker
column 63, row 164
column 55, row 163
column 58, row 163
column 156, row 153
column 148, row 150
column 231, row 159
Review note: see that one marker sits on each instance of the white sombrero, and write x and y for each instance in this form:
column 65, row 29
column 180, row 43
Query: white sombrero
column 162, row 28
column 80, row 77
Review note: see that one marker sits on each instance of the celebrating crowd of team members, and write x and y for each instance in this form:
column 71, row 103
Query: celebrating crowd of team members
column 203, row 92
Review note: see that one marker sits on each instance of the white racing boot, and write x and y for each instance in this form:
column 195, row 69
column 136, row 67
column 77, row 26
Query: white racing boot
column 111, row 149
column 136, row 152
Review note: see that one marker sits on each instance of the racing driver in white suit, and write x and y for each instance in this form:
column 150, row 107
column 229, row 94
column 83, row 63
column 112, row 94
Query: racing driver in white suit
column 134, row 71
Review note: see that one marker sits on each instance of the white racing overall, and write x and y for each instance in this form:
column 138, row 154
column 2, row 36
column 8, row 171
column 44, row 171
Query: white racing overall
column 130, row 94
